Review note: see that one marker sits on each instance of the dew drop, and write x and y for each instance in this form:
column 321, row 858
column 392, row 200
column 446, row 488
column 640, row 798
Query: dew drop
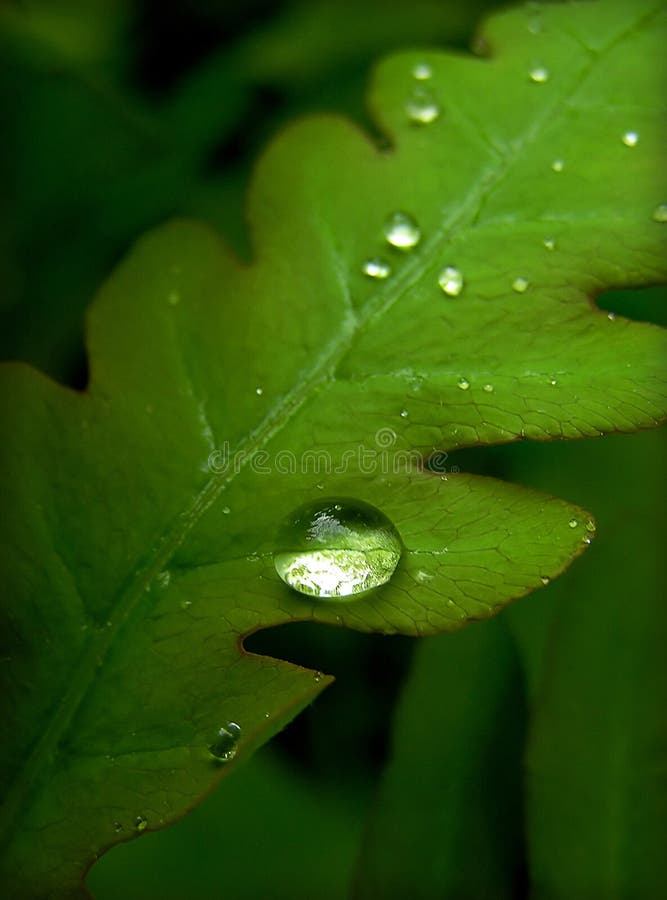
column 337, row 548
column 163, row 579
column 422, row 107
column 660, row 213
column 141, row 823
column 223, row 747
column 117, row 826
column 558, row 165
column 259, row 391
column 402, row 231
column 317, row 677
column 450, row 280
column 520, row 285
column 488, row 388
column 549, row 243
column 376, row 268
column 590, row 526
column 545, row 579
column 422, row 71
column 463, row 383
column 573, row 523
column 539, row 74
column 553, row 382
column 404, row 414
column 586, row 540
column 423, row 576
column 630, row 138
column 226, row 510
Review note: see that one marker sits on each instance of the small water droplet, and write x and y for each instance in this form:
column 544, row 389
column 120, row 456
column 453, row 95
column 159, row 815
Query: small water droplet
column 404, row 413
column 558, row 165
column 553, row 382
column 539, row 74
column 611, row 316
column 488, row 388
column 422, row 71
column 660, row 213
column 520, row 285
column 267, row 715
column 586, row 540
column 463, row 383
column 423, row 576
column 376, row 268
column 549, row 243
column 317, row 677
column 402, row 231
column 226, row 510
column 545, row 579
column 223, row 747
column 117, row 826
column 450, row 280
column 590, row 526
column 186, row 604
column 337, row 549
column 573, row 523
column 422, row 107
column 163, row 579
column 259, row 391
column 630, row 138
column 141, row 823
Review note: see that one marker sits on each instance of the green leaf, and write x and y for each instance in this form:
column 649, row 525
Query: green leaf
column 140, row 554
column 447, row 822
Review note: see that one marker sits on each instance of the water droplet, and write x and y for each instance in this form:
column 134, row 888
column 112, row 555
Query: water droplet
column 590, row 526
column 259, row 391
column 549, row 243
column 488, row 388
column 558, row 165
column 660, row 213
column 223, row 746
column 573, row 523
column 226, row 510
column 267, row 715
column 186, row 604
column 402, row 231
column 586, row 540
column 141, row 823
column 422, row 107
column 317, row 677
column 545, row 579
column 376, row 268
column 553, row 382
column 117, row 826
column 630, row 138
column 422, row 71
column 611, row 316
column 450, row 280
column 423, row 577
column 163, row 579
column 520, row 285
column 463, row 383
column 337, row 548
column 404, row 413
column 539, row 74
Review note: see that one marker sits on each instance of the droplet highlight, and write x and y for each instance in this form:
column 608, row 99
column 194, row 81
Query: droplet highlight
column 376, row 268
column 450, row 280
column 488, row 388
column 463, row 384
column 660, row 213
column 573, row 523
column 557, row 165
column 539, row 74
column 223, row 747
column 421, row 107
column 520, row 285
column 402, row 231
column 422, row 71
column 141, row 823
column 549, row 243
column 339, row 549
column 630, row 138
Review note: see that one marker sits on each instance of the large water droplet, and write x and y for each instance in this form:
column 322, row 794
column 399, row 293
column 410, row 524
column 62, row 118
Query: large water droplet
column 463, row 383
column 573, row 523
column 422, row 107
column 630, row 138
column 402, row 231
column 422, row 71
column 450, row 280
column 337, row 548
column 558, row 165
column 660, row 213
column 488, row 388
column 141, row 823
column 376, row 268
column 223, row 746
column 520, row 285
column 539, row 74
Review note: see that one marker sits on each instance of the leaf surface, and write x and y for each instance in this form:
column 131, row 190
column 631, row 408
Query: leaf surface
column 140, row 515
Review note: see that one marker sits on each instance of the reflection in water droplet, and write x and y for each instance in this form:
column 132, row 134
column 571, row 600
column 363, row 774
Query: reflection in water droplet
column 520, row 285
column 573, row 523
column 463, row 383
column 553, row 382
column 422, row 71
column 590, row 525
column 226, row 510
column 450, row 280
column 401, row 231
column 376, row 268
column 549, row 243
column 259, row 391
column 558, row 165
column 422, row 107
column 404, row 413
column 488, row 388
column 630, row 138
column 337, row 548
column 223, row 747
column 141, row 823
column 117, row 826
column 317, row 677
column 660, row 213
column 545, row 579
column 539, row 74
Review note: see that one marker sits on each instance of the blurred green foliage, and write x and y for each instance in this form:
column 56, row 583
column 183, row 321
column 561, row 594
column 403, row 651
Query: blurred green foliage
column 118, row 115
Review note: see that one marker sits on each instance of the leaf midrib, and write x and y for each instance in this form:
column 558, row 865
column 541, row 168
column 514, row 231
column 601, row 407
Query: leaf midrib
column 92, row 659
